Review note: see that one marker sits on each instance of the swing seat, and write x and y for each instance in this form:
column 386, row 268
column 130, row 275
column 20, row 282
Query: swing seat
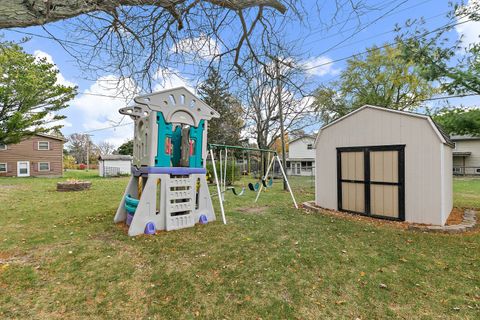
column 253, row 187
column 267, row 184
column 235, row 191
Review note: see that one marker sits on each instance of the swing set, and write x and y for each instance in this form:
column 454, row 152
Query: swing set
column 265, row 182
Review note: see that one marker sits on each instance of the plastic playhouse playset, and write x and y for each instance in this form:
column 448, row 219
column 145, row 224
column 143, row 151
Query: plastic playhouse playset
column 168, row 188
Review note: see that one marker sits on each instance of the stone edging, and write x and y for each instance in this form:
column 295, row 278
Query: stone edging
column 468, row 223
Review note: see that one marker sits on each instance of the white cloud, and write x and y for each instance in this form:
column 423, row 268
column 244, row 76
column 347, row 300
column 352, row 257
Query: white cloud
column 171, row 78
column 469, row 30
column 203, row 47
column 319, row 66
column 99, row 105
column 39, row 54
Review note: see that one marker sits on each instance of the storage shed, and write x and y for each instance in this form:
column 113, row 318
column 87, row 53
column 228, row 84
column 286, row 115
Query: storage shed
column 385, row 163
column 114, row 165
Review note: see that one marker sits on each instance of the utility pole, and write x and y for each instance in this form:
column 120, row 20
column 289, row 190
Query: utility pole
column 88, row 151
column 88, row 154
column 282, row 129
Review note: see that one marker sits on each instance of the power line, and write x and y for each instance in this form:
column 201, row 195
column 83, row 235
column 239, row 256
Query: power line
column 106, row 128
column 361, row 29
column 316, row 31
column 383, row 46
column 451, row 96
column 386, row 15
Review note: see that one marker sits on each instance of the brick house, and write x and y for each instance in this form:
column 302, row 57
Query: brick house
column 38, row 156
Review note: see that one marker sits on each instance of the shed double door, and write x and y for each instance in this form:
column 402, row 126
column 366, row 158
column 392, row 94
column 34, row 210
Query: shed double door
column 371, row 181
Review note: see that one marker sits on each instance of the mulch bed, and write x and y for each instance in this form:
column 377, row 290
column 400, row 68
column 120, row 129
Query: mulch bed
column 455, row 217
column 358, row 217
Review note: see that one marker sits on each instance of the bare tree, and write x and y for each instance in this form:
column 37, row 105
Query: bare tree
column 78, row 144
column 105, row 148
column 261, row 103
column 143, row 39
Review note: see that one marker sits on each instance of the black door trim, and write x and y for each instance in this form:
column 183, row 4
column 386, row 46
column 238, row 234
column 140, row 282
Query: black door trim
column 367, row 182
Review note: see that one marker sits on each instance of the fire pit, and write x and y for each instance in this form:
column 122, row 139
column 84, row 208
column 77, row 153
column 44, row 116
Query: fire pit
column 73, row 185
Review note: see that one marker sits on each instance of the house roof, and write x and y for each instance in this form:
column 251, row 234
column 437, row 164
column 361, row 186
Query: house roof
column 442, row 135
column 115, row 157
column 51, row 136
column 308, row 136
column 464, row 137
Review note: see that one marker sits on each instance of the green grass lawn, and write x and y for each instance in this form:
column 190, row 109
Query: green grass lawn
column 61, row 256
column 466, row 192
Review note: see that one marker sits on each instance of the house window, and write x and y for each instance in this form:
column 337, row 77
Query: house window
column 477, row 170
column 43, row 145
column 44, row 166
column 454, row 145
column 309, row 146
column 3, row 167
column 3, row 146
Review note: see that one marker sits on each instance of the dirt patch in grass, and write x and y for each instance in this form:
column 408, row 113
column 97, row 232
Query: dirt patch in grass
column 455, row 217
column 253, row 210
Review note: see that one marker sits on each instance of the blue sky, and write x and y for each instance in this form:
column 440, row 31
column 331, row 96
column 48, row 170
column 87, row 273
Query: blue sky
column 318, row 45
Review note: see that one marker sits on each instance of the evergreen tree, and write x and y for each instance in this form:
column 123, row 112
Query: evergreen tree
column 126, row 148
column 215, row 92
column 30, row 96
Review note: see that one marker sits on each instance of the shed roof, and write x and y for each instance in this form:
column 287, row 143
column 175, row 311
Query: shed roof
column 442, row 135
column 115, row 157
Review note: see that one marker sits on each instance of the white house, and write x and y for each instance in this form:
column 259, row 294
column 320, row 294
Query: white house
column 385, row 163
column 114, row 165
column 466, row 155
column 301, row 156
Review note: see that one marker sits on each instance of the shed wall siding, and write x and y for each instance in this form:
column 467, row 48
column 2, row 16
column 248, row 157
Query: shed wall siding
column 123, row 165
column 27, row 150
column 447, row 192
column 370, row 127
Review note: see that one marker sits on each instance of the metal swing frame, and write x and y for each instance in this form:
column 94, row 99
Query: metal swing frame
column 223, row 172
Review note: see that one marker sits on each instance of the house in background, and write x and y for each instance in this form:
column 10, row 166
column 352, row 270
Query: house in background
column 301, row 156
column 38, row 156
column 466, row 155
column 114, row 165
